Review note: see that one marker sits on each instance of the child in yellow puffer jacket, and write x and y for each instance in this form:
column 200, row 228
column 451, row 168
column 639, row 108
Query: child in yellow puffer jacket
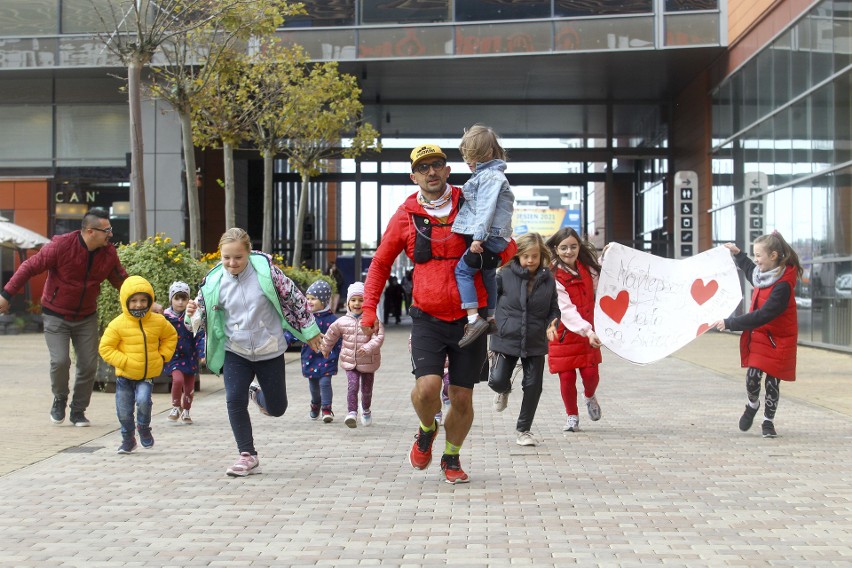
column 137, row 343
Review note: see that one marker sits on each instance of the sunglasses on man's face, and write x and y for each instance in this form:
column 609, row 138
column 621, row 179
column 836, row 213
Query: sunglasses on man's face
column 425, row 167
column 108, row 230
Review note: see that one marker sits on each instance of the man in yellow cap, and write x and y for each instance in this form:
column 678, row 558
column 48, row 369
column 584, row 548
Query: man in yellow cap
column 421, row 227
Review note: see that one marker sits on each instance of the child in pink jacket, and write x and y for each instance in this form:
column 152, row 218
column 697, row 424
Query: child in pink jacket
column 360, row 355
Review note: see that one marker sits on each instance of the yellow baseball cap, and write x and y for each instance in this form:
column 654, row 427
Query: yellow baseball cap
column 426, row 151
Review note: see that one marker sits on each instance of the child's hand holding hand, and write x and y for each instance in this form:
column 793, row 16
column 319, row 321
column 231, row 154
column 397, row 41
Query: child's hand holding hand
column 315, row 342
column 476, row 246
column 551, row 331
column 594, row 340
column 191, row 306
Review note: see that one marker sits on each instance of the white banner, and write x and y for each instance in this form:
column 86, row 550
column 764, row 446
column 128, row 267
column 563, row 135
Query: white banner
column 648, row 307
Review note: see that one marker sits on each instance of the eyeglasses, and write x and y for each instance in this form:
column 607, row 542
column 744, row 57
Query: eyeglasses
column 108, row 230
column 424, row 167
column 563, row 249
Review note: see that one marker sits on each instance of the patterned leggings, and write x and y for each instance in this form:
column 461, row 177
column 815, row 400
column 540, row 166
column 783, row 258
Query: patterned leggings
column 773, row 391
column 365, row 382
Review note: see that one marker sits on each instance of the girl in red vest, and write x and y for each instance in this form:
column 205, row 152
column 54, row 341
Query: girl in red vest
column 771, row 328
column 577, row 346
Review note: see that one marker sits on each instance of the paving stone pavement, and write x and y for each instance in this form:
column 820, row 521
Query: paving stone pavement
column 664, row 478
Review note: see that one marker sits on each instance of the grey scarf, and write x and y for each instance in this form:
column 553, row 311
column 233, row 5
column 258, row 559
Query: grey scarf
column 768, row 278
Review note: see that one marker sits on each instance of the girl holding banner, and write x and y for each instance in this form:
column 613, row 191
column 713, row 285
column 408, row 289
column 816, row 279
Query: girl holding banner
column 576, row 346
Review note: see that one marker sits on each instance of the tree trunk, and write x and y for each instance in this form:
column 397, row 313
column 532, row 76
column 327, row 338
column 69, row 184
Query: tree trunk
column 192, row 205
column 268, row 160
column 230, row 189
column 299, row 229
column 139, row 224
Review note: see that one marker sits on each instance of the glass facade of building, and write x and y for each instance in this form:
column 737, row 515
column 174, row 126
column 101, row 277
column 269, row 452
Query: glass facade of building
column 782, row 160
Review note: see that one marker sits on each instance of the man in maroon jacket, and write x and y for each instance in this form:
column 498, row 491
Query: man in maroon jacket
column 421, row 228
column 76, row 263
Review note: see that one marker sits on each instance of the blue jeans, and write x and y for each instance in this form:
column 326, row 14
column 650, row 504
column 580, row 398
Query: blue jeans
column 465, row 273
column 320, row 390
column 238, row 373
column 127, row 394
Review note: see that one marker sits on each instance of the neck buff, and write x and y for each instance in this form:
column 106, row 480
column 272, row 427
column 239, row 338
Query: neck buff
column 138, row 313
column 437, row 203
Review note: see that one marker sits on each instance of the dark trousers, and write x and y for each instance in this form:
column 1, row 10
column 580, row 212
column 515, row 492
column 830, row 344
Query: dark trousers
column 500, row 380
column 238, row 373
column 773, row 391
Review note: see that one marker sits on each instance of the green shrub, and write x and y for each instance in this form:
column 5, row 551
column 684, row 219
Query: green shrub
column 158, row 260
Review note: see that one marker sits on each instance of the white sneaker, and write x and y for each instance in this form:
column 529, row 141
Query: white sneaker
column 367, row 419
column 174, row 414
column 572, row 425
column 351, row 419
column 184, row 417
column 501, row 400
column 594, row 408
column 526, row 439
column 246, row 465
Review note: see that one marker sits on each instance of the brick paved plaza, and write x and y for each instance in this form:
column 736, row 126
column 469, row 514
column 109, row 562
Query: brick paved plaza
column 664, row 478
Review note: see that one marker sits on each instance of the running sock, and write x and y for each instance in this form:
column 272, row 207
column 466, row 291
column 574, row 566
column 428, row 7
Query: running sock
column 431, row 428
column 451, row 449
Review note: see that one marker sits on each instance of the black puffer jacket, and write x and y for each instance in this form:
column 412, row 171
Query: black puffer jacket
column 523, row 314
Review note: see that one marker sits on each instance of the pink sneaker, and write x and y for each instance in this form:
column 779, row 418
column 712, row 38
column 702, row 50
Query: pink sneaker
column 246, row 465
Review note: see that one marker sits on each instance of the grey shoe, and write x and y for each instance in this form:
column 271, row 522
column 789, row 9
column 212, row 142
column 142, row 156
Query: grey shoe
column 572, row 425
column 57, row 411
column 501, row 400
column 526, row 439
column 769, row 429
column 78, row 418
column 594, row 408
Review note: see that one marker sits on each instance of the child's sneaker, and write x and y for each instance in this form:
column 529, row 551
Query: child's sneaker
column 127, row 445
column 769, row 429
column 367, row 418
column 572, row 425
column 254, row 390
column 594, row 408
column 184, row 417
column 747, row 419
column 501, row 400
column 526, row 439
column 246, row 465
column 315, row 412
column 327, row 415
column 472, row 331
column 453, row 472
column 174, row 414
column 351, row 419
column 145, row 436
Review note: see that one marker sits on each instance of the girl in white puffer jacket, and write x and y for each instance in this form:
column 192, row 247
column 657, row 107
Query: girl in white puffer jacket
column 360, row 354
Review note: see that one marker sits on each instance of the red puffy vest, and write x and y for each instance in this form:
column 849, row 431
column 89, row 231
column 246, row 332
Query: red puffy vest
column 571, row 351
column 772, row 347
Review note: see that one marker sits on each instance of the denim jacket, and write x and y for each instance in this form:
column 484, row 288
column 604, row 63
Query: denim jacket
column 489, row 202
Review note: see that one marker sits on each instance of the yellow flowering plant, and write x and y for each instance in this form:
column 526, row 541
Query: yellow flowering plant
column 159, row 260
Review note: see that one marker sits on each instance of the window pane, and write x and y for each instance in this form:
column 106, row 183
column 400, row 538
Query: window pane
column 322, row 44
column 479, row 10
column 621, row 33
column 690, row 5
column 503, row 38
column 96, row 135
column 697, row 29
column 22, row 18
column 81, row 16
column 324, row 13
column 567, row 8
column 405, row 42
column 782, row 69
column 27, row 135
column 410, row 11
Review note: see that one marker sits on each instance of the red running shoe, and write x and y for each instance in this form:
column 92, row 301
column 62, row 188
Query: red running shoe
column 452, row 470
column 420, row 455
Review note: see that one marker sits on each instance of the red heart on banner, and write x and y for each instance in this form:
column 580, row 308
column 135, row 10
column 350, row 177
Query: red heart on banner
column 702, row 328
column 616, row 307
column 702, row 292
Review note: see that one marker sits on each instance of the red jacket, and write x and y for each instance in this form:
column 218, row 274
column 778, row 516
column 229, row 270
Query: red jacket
column 74, row 275
column 772, row 346
column 571, row 351
column 435, row 291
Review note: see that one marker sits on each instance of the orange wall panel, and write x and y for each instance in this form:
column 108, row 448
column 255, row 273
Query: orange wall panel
column 31, row 195
column 7, row 195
